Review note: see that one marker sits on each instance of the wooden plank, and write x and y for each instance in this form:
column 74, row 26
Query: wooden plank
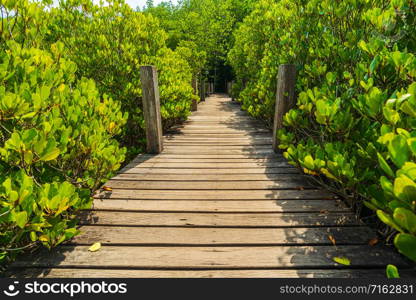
column 129, row 170
column 245, row 148
column 217, row 195
column 271, row 220
column 208, row 185
column 213, row 257
column 236, row 178
column 155, row 236
column 378, row 273
column 208, row 165
column 184, row 159
column 211, row 151
column 221, row 206
column 220, row 131
column 200, row 157
column 217, row 144
column 216, row 137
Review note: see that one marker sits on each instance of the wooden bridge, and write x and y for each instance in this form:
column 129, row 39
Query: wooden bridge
column 216, row 202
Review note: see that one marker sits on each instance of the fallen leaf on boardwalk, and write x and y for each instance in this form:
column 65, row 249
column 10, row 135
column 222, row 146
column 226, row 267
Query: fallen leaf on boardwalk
column 95, row 247
column 324, row 211
column 107, row 188
column 373, row 242
column 342, row 260
column 332, row 239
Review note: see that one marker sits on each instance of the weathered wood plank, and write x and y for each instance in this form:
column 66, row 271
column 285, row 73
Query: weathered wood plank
column 213, row 151
column 218, row 220
column 208, row 165
column 216, row 195
column 213, row 257
column 208, row 185
column 163, row 159
column 122, row 235
column 215, row 137
column 236, row 178
column 216, row 144
column 202, row 157
column 221, row 206
column 378, row 273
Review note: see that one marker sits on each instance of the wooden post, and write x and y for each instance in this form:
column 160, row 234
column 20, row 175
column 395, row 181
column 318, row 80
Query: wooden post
column 194, row 105
column 202, row 90
column 285, row 98
column 151, row 109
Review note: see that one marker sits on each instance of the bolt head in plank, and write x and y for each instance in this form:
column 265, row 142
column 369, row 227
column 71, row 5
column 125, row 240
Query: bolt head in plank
column 285, row 97
column 151, row 109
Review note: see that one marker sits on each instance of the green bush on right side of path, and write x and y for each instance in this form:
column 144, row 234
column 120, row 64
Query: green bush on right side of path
column 355, row 118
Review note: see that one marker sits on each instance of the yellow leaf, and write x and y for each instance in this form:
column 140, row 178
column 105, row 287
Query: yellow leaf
column 95, row 247
column 342, row 260
column 61, row 88
column 43, row 238
column 107, row 188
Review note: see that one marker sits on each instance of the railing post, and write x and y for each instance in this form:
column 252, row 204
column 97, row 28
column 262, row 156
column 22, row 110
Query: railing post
column 151, row 109
column 194, row 105
column 202, row 90
column 285, row 97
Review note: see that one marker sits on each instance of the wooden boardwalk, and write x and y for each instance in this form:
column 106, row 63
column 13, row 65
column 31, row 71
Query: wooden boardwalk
column 216, row 203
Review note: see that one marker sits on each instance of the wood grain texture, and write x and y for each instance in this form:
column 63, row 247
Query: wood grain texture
column 151, row 109
column 232, row 220
column 213, row 257
column 220, row 195
column 379, row 273
column 217, row 202
column 208, row 185
column 219, row 206
column 123, row 235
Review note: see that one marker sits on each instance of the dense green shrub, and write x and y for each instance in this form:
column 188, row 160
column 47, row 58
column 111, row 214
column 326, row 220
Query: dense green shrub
column 109, row 44
column 57, row 133
column 354, row 122
column 56, row 145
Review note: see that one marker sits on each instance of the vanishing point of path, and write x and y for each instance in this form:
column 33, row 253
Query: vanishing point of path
column 218, row 202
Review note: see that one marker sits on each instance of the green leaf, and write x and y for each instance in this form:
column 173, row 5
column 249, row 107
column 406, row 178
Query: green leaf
column 405, row 189
column 342, row 260
column 384, row 165
column 386, row 185
column 309, row 162
column 45, row 92
column 406, row 219
column 21, row 219
column 33, row 236
column 399, row 150
column 392, row 272
column 387, row 219
column 374, row 63
column 406, row 244
column 51, row 155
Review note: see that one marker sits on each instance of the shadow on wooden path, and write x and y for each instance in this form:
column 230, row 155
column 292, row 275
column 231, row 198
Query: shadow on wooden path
column 216, row 203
